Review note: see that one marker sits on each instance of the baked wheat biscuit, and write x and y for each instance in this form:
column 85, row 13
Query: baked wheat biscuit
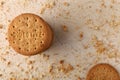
column 103, row 72
column 28, row 34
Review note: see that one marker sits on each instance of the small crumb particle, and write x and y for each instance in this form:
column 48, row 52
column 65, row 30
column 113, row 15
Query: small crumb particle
column 46, row 57
column 81, row 35
column 86, row 46
column 50, row 69
column 1, row 26
column 78, row 78
column 65, row 68
column 111, row 55
column 42, row 10
column 34, row 78
column 89, row 21
column 98, row 11
column 6, row 38
column 41, row 76
column 49, row 5
column 65, row 28
column 103, row 5
column 30, row 62
column 12, row 78
column 25, row 79
column 61, row 61
column 112, row 1
column 99, row 45
column 9, row 20
column 1, row 75
column 8, row 63
column 66, row 4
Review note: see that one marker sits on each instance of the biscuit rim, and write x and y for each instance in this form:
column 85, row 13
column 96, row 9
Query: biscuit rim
column 102, row 64
column 48, row 37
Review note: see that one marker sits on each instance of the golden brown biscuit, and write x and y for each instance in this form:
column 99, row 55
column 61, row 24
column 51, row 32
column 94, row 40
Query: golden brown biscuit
column 103, row 72
column 28, row 34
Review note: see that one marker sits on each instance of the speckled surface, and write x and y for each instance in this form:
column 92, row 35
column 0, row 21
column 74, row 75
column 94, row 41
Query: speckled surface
column 86, row 32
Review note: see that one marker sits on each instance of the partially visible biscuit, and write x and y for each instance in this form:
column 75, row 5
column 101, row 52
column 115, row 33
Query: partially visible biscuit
column 103, row 71
column 28, row 34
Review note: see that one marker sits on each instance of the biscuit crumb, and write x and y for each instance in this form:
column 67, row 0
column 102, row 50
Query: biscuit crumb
column 89, row 21
column 8, row 63
column 66, row 4
column 46, row 57
column 25, row 79
column 65, row 28
column 49, row 5
column 41, row 76
column 50, row 69
column 30, row 62
column 1, row 4
column 34, row 79
column 1, row 26
column 12, row 78
column 65, row 68
column 81, row 35
column 78, row 78
column 99, row 45
column 1, row 75
column 61, row 61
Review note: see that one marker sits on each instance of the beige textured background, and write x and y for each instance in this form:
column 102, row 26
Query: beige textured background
column 87, row 32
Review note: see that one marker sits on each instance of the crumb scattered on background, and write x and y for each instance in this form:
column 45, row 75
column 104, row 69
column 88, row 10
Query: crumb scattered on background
column 81, row 35
column 64, row 67
column 47, row 5
column 1, row 26
column 78, row 78
column 65, row 28
column 66, row 4
column 99, row 45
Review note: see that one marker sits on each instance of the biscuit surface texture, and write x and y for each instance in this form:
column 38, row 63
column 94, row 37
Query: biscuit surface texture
column 103, row 72
column 28, row 34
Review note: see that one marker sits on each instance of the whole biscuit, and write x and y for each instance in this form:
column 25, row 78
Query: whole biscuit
column 103, row 71
column 28, row 34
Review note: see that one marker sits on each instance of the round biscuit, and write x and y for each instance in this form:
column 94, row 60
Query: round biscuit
column 29, row 34
column 103, row 71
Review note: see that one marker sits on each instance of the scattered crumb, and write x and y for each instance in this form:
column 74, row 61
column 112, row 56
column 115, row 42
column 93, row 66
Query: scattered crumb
column 98, row 11
column 46, row 57
column 41, row 76
column 61, row 61
column 42, row 10
column 66, row 4
column 8, row 63
column 34, row 78
column 1, row 4
column 6, row 38
column 65, row 28
column 50, row 69
column 99, row 45
column 12, row 78
column 86, row 46
column 81, row 35
column 112, row 1
column 66, row 68
column 78, row 78
column 1, row 75
column 9, row 20
column 103, row 5
column 89, row 21
column 30, row 62
column 49, row 5
column 25, row 79
column 1, row 26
